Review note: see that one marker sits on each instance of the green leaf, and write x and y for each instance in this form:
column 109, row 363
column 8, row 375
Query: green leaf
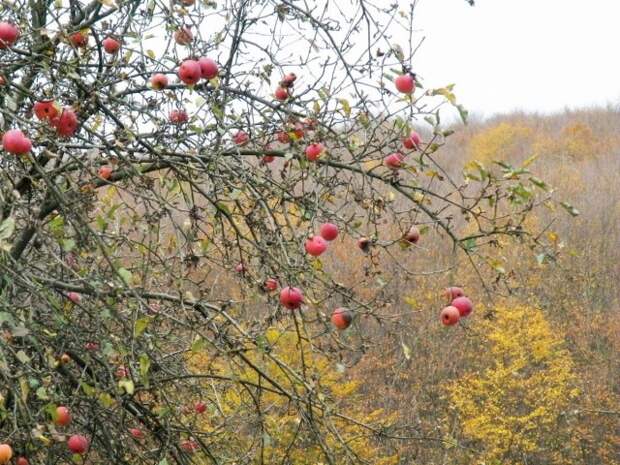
column 88, row 389
column 346, row 107
column 68, row 245
column 125, row 275
column 22, row 357
column 145, row 365
column 141, row 325
column 570, row 209
column 7, row 227
column 127, row 385
column 42, row 393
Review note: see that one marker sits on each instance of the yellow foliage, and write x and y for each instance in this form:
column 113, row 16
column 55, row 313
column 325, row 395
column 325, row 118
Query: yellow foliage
column 498, row 142
column 288, row 429
column 514, row 404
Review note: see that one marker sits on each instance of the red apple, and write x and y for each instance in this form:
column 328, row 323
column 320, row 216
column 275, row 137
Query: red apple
column 105, row 172
column 9, row 33
column 178, row 117
column 315, row 245
column 78, row 39
column 299, row 131
column 283, row 137
column 111, row 45
column 183, row 36
column 464, row 306
column 159, row 81
column 413, row 235
column 6, row 452
column 22, row 461
column 288, row 80
column 74, row 297
column 240, row 268
column 2, row 80
column 121, row 372
column 271, row 284
column 45, row 110
column 241, row 138
column 314, row 151
column 291, row 297
column 200, row 407
column 189, row 72
column 14, row 141
column 67, row 123
column 450, row 315
column 77, row 444
column 281, row 94
column 405, row 83
column 189, row 446
column 91, row 346
column 63, row 416
column 328, row 231
column 310, row 123
column 136, row 433
column 413, row 141
column 394, row 160
column 363, row 243
column 342, row 318
column 208, row 68
column 452, row 293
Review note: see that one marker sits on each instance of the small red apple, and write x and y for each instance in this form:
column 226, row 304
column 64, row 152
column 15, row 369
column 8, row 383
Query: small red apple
column 208, row 68
column 189, row 72
column 78, row 39
column 271, row 284
column 463, row 305
column 299, row 131
column 105, row 172
column 45, row 110
column 315, row 245
column 394, row 160
column 67, row 123
column 63, row 416
column 328, row 231
column 178, row 117
column 136, row 433
column 291, row 297
column 413, row 235
column 405, row 83
column 450, row 315
column 281, row 94
column 200, row 407
column 93, row 346
column 452, row 293
column 111, row 45
column 241, row 138
column 288, row 80
column 240, row 268
column 342, row 318
column 22, row 461
column 74, row 297
column 314, row 151
column 183, row 36
column 310, row 123
column 121, row 372
column 364, row 244
column 9, row 33
column 14, row 141
column 159, row 81
column 283, row 137
column 77, row 444
column 6, row 452
column 189, row 446
column 413, row 141
column 2, row 81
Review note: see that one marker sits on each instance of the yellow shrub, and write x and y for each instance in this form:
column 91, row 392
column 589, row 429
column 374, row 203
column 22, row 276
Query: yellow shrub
column 513, row 406
column 499, row 142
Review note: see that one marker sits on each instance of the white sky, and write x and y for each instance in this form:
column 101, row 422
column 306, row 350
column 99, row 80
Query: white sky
column 533, row 55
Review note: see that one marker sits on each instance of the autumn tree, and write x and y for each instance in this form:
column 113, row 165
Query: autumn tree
column 515, row 402
column 155, row 150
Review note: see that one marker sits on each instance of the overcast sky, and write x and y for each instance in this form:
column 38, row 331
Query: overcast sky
column 535, row 55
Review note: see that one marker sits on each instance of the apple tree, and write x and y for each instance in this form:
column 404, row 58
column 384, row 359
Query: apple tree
column 170, row 173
